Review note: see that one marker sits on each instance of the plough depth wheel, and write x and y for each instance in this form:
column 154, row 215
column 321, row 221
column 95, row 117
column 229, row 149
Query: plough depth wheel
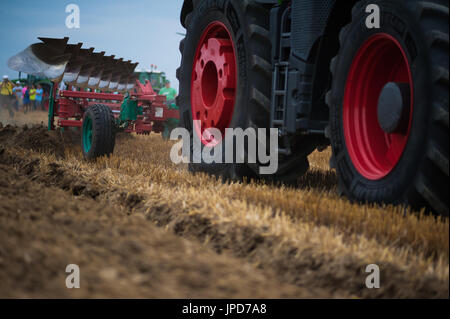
column 98, row 137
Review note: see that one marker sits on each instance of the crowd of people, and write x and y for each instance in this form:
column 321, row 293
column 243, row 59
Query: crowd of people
column 15, row 98
column 30, row 97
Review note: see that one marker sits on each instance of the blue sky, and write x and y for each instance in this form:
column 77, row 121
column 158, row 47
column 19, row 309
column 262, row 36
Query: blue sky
column 142, row 31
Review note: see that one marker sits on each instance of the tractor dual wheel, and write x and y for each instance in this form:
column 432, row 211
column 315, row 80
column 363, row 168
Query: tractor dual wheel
column 389, row 105
column 226, row 81
column 99, row 132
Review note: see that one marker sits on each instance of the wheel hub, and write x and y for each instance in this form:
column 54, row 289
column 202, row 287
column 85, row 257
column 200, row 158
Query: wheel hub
column 394, row 100
column 87, row 134
column 213, row 82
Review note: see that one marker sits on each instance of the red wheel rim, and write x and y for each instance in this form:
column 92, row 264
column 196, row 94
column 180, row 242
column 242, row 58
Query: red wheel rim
column 375, row 153
column 213, row 83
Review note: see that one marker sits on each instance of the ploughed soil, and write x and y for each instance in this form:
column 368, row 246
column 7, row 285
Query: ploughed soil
column 142, row 231
column 43, row 229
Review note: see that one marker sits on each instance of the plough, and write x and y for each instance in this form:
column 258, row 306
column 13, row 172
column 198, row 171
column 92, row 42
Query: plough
column 103, row 95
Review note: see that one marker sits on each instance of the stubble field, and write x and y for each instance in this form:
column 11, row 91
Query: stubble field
column 140, row 226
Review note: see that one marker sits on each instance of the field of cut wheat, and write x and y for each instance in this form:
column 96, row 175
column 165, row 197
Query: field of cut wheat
column 140, row 226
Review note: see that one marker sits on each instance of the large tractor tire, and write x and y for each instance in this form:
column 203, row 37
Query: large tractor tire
column 99, row 132
column 389, row 105
column 226, row 80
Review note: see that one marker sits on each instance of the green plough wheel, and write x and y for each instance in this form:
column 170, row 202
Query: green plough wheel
column 99, row 132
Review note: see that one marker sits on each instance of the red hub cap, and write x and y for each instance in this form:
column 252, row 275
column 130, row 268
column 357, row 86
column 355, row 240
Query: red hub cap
column 213, row 84
column 379, row 62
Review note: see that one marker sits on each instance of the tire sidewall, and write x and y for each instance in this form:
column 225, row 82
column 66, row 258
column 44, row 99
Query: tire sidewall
column 392, row 187
column 91, row 154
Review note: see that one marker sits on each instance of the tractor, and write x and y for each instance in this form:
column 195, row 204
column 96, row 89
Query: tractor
column 368, row 78
column 100, row 94
column 156, row 78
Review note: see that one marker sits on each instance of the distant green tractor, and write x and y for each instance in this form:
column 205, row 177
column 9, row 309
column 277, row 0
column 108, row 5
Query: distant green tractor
column 156, row 78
